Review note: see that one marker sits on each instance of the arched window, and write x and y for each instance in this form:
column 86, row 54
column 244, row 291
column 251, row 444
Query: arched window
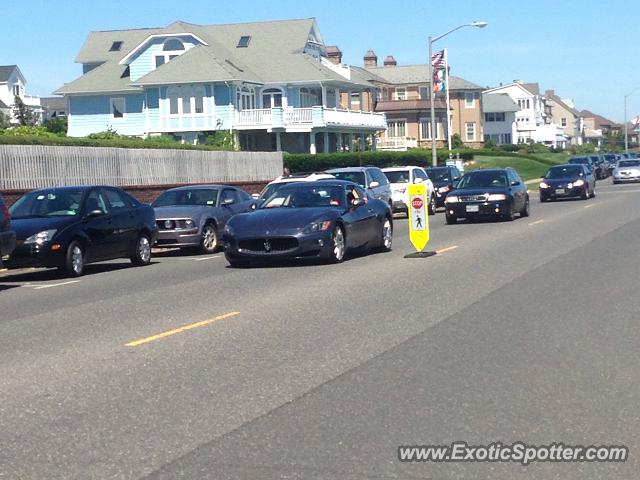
column 271, row 98
column 172, row 45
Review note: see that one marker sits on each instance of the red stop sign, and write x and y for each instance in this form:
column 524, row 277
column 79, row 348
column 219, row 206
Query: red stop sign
column 417, row 203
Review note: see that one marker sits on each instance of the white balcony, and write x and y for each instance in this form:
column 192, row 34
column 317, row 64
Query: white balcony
column 307, row 118
column 396, row 143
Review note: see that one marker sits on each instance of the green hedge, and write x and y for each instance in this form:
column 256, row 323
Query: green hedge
column 303, row 162
column 114, row 143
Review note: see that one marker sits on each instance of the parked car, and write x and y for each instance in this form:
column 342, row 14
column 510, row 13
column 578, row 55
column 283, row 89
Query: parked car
column 370, row 178
column 601, row 169
column 444, row 179
column 400, row 178
column 7, row 235
column 498, row 192
column 584, row 161
column 68, row 227
column 611, row 159
column 565, row 181
column 321, row 219
column 194, row 216
column 287, row 179
column 627, row 171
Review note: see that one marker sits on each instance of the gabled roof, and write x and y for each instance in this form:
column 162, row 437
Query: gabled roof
column 498, row 102
column 533, row 88
column 3, row 106
column 274, row 54
column 7, row 70
column 519, row 85
column 417, row 74
column 599, row 120
column 560, row 102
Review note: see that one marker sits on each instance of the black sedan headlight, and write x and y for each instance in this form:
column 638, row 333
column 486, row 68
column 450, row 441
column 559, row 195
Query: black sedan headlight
column 315, row 227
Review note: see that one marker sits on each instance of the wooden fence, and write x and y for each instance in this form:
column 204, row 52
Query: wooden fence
column 32, row 166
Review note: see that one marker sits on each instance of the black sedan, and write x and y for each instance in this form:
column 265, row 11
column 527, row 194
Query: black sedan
column 443, row 179
column 566, row 181
column 68, row 227
column 322, row 219
column 489, row 193
column 194, row 216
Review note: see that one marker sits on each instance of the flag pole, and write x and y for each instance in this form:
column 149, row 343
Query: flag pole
column 446, row 86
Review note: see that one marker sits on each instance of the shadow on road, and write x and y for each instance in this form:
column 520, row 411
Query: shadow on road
column 48, row 274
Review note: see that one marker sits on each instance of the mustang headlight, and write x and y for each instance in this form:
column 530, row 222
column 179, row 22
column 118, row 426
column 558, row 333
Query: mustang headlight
column 314, row 227
column 189, row 224
column 444, row 189
column 544, row 185
column 495, row 197
column 451, row 199
column 41, row 237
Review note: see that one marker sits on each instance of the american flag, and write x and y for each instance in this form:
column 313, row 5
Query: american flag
column 437, row 60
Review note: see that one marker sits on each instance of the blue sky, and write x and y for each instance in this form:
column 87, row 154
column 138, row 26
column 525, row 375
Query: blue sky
column 584, row 50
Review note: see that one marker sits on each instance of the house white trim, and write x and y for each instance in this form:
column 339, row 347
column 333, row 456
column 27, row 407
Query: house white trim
column 132, row 53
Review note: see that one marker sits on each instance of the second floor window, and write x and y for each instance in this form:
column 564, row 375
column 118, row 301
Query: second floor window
column 400, row 94
column 396, row 128
column 171, row 49
column 246, row 98
column 469, row 100
column 564, row 122
column 16, row 90
column 310, row 97
column 271, row 98
column 494, row 117
column 186, row 100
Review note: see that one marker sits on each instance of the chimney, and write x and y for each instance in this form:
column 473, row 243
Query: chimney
column 334, row 54
column 370, row 59
column 548, row 93
column 390, row 61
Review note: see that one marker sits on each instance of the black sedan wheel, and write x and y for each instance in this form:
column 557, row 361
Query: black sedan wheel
column 387, row 235
column 142, row 254
column 593, row 192
column 451, row 220
column 74, row 261
column 510, row 215
column 585, row 193
column 209, row 241
column 338, row 245
column 525, row 209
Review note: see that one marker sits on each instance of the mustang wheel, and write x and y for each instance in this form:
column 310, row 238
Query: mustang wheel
column 209, row 240
column 74, row 261
column 338, row 245
column 387, row 235
column 142, row 254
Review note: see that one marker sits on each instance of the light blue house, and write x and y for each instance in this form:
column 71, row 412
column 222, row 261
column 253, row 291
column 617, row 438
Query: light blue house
column 272, row 84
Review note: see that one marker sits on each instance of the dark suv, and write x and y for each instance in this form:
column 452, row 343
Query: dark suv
column 7, row 236
column 443, row 179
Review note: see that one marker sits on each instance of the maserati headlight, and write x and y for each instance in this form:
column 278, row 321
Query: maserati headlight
column 314, row 227
column 451, row 199
column 495, row 197
column 41, row 237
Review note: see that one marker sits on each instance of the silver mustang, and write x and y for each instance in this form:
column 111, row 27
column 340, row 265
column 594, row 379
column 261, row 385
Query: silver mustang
column 627, row 171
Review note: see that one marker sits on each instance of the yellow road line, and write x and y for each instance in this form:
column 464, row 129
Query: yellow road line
column 448, row 249
column 184, row 328
column 538, row 222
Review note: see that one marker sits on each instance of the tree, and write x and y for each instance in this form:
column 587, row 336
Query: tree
column 456, row 141
column 24, row 113
column 4, row 121
column 57, row 126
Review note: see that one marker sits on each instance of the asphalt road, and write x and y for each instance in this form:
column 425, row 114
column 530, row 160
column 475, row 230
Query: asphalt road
column 523, row 331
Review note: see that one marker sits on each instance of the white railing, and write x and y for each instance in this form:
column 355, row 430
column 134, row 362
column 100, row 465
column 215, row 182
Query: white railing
column 298, row 115
column 335, row 116
column 396, row 143
column 254, row 117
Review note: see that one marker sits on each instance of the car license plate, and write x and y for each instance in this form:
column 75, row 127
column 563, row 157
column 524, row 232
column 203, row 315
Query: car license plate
column 559, row 191
column 473, row 208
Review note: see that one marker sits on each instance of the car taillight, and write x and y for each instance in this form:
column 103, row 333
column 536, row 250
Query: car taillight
column 5, row 212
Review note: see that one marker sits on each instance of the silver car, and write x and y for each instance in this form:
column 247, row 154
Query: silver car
column 194, row 216
column 370, row 178
column 627, row 171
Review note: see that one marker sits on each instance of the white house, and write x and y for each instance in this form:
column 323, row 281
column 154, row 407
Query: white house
column 12, row 84
column 530, row 117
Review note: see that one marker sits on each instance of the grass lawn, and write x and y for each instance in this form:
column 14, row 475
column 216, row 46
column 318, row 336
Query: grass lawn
column 528, row 169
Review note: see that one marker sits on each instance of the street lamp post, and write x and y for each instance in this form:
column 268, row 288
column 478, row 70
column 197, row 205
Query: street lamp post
column 432, row 40
column 626, row 128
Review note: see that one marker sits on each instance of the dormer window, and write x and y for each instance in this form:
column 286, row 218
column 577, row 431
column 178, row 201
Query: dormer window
column 116, row 46
column 244, row 41
column 171, row 49
column 173, row 44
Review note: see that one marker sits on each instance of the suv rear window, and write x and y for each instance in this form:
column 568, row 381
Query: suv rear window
column 355, row 177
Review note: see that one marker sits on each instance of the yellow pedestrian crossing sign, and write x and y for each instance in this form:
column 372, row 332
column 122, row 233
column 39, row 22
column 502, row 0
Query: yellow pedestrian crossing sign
column 418, row 218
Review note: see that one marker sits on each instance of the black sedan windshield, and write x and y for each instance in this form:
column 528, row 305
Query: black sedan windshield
column 563, row 172
column 48, row 203
column 306, row 197
column 483, row 179
column 584, row 160
column 196, row 197
column 438, row 174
